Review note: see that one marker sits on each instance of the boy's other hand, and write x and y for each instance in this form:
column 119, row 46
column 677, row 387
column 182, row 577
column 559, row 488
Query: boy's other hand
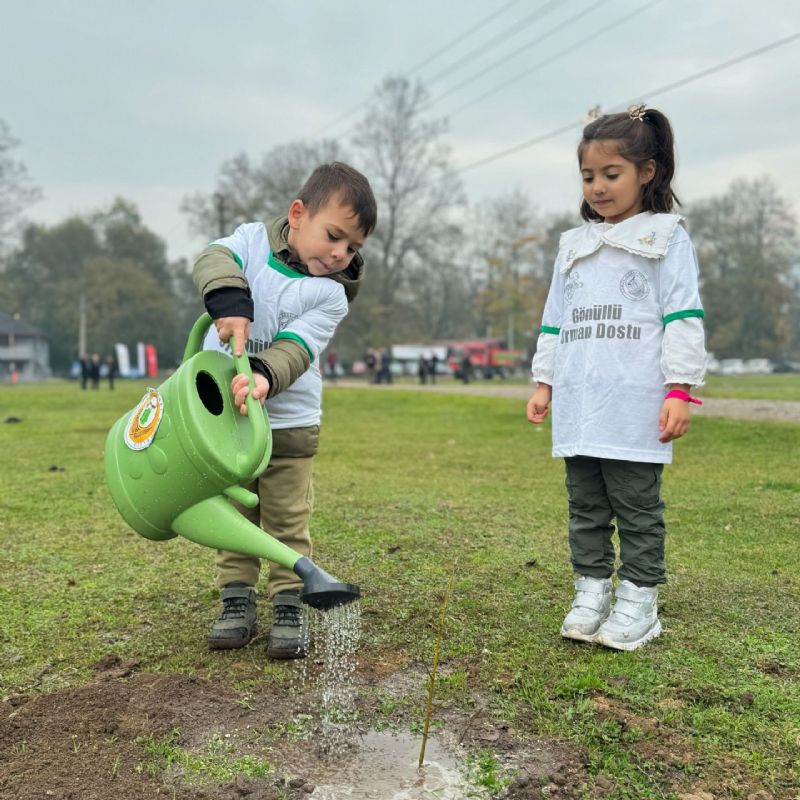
column 539, row 404
column 240, row 389
column 674, row 419
column 238, row 327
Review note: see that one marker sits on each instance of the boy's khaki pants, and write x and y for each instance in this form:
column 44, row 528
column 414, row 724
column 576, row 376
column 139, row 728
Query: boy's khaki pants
column 286, row 498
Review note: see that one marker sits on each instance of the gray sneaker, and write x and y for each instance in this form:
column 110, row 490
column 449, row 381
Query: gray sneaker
column 634, row 618
column 288, row 636
column 590, row 608
column 237, row 622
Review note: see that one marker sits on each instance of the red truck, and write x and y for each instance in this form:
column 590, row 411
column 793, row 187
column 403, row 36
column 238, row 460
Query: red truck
column 488, row 358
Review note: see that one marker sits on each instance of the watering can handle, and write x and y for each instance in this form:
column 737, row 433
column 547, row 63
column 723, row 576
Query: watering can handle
column 248, row 462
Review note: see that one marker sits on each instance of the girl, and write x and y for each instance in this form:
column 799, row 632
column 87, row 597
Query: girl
column 621, row 345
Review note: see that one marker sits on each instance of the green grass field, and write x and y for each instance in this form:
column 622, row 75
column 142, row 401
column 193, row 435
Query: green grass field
column 410, row 487
column 783, row 386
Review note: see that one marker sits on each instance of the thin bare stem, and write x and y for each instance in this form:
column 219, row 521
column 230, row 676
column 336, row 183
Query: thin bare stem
column 436, row 651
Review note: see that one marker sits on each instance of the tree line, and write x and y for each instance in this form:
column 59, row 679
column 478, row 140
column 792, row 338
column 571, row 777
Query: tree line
column 438, row 267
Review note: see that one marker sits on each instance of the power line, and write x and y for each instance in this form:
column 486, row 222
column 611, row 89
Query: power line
column 553, row 58
column 516, row 52
column 512, row 30
column 461, row 37
column 653, row 93
column 444, row 49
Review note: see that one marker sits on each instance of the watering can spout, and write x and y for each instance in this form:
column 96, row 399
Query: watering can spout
column 216, row 523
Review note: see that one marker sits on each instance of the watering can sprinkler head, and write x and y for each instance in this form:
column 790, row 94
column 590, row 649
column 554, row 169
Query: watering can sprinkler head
column 321, row 590
column 171, row 462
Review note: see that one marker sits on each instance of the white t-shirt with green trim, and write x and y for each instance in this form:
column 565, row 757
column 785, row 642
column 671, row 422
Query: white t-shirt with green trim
column 623, row 318
column 287, row 305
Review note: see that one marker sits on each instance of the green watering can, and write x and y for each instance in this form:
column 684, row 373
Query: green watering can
column 172, row 461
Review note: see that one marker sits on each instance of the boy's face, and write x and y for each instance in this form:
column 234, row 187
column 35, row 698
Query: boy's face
column 326, row 241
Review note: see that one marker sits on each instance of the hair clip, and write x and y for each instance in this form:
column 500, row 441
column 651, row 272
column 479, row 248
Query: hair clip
column 595, row 112
column 637, row 112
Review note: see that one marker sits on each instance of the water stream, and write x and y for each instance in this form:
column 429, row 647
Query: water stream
column 378, row 765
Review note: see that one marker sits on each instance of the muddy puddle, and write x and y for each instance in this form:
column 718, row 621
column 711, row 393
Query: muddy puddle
column 384, row 766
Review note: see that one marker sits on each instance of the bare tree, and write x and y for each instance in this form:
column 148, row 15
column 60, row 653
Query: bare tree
column 248, row 191
column 747, row 244
column 17, row 191
column 514, row 267
column 417, row 191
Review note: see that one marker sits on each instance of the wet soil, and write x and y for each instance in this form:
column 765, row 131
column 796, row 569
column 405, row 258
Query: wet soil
column 95, row 742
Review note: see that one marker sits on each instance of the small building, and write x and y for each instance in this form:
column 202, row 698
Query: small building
column 24, row 351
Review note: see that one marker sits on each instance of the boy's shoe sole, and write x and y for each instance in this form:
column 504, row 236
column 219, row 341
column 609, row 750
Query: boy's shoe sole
column 283, row 650
column 651, row 634
column 231, row 642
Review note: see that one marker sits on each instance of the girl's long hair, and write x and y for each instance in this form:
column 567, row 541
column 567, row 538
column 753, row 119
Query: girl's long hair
column 639, row 141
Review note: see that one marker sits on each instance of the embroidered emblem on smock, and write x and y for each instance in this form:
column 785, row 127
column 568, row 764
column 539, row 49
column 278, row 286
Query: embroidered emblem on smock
column 572, row 286
column 634, row 285
column 285, row 319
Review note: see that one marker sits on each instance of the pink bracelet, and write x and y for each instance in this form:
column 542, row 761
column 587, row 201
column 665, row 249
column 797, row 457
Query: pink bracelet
column 680, row 395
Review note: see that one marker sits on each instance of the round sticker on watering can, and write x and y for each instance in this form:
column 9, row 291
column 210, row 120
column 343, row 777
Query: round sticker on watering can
column 144, row 421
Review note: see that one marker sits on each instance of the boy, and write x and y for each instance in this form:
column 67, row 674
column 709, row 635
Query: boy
column 283, row 289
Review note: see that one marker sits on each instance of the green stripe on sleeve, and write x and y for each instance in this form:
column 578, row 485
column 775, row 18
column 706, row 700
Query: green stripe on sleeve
column 689, row 312
column 237, row 259
column 295, row 338
column 228, row 250
column 548, row 329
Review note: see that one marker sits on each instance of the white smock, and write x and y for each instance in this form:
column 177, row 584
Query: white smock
column 622, row 319
column 287, row 305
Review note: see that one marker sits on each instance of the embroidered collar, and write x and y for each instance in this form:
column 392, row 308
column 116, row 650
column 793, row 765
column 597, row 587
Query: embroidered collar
column 644, row 234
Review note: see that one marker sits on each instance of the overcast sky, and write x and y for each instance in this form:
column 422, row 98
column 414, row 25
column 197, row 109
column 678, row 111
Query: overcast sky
column 146, row 100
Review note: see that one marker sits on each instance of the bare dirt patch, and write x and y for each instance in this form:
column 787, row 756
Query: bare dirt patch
column 95, row 742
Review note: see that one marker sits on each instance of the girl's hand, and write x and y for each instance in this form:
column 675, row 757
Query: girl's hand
column 674, row 419
column 240, row 389
column 238, row 327
column 538, row 405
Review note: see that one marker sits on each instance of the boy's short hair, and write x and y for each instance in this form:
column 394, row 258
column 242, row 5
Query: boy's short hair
column 336, row 177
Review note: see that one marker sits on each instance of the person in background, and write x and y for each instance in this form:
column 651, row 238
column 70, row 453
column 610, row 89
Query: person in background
column 94, row 371
column 332, row 361
column 113, row 370
column 371, row 363
column 85, row 369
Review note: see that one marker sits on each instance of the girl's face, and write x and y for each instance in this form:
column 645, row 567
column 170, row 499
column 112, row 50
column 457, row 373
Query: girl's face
column 612, row 185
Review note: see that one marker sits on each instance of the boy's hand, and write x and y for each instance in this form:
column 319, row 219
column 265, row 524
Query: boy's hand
column 238, row 327
column 674, row 419
column 538, row 405
column 240, row 389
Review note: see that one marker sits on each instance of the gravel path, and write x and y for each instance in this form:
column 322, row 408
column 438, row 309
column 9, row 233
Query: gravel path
column 759, row 410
